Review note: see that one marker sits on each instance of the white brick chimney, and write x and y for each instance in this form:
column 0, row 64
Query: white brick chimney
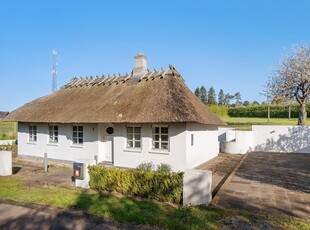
column 140, row 64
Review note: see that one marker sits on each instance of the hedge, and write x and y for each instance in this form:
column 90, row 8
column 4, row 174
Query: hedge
column 152, row 185
column 276, row 111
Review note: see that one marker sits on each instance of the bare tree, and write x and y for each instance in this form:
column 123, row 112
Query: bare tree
column 291, row 79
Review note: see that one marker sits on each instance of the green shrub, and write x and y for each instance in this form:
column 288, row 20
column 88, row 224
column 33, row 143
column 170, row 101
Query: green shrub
column 145, row 167
column 276, row 111
column 219, row 110
column 164, row 168
column 147, row 184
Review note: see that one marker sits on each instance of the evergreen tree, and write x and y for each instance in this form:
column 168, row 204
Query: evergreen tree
column 197, row 92
column 203, row 94
column 221, row 97
column 211, row 96
column 246, row 103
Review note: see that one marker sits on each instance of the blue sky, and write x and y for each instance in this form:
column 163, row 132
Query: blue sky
column 230, row 45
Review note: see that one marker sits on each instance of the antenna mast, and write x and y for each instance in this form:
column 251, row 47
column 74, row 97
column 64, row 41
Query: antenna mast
column 54, row 71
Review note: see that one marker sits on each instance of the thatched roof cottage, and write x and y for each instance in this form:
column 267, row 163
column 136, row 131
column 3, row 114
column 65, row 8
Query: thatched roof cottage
column 145, row 116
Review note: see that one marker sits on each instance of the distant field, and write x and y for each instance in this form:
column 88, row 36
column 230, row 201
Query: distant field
column 8, row 130
column 245, row 123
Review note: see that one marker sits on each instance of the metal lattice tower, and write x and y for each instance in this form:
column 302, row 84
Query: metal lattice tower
column 54, row 71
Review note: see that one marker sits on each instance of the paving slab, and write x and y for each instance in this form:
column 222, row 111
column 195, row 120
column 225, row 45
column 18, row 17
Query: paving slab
column 269, row 183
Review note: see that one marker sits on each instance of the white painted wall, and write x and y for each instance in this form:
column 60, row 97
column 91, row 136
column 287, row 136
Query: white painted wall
column 124, row 157
column 240, row 144
column 205, row 146
column 281, row 138
column 181, row 155
column 264, row 138
column 222, row 133
column 65, row 149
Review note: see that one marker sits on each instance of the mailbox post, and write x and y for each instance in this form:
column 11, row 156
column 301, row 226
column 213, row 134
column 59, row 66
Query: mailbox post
column 80, row 172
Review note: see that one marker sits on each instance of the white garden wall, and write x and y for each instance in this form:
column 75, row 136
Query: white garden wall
column 281, row 138
column 267, row 139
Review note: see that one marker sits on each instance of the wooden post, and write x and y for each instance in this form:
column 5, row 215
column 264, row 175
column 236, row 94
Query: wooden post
column 268, row 113
column 45, row 163
column 289, row 112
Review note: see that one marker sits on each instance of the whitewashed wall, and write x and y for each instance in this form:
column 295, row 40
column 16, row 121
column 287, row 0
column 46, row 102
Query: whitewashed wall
column 237, row 142
column 205, row 146
column 65, row 149
column 281, row 138
column 265, row 138
column 131, row 158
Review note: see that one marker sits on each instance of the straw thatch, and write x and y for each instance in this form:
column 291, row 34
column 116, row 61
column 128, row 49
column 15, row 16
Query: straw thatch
column 155, row 97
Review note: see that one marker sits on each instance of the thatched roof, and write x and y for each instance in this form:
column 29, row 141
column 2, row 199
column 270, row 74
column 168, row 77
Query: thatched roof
column 154, row 97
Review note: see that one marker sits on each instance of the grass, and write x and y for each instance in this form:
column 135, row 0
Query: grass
column 8, row 130
column 245, row 123
column 134, row 211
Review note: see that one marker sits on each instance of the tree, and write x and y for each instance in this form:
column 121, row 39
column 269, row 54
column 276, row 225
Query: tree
column 291, row 79
column 197, row 92
column 211, row 96
column 221, row 97
column 227, row 98
column 246, row 103
column 255, row 103
column 203, row 94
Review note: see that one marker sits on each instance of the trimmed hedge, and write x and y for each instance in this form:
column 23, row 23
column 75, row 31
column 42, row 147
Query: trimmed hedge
column 152, row 185
column 276, row 111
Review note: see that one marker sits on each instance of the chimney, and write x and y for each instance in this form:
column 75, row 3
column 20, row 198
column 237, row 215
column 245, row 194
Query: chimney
column 140, row 65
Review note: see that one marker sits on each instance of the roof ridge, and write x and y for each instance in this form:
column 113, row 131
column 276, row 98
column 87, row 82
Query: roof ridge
column 109, row 80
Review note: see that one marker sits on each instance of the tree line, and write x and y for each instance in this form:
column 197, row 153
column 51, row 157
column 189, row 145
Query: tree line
column 209, row 97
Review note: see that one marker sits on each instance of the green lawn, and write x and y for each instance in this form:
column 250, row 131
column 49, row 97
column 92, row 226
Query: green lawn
column 135, row 211
column 245, row 123
column 8, row 130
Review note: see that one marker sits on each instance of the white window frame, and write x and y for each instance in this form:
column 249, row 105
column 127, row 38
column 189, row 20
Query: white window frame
column 32, row 133
column 76, row 138
column 53, row 133
column 160, row 141
column 134, row 140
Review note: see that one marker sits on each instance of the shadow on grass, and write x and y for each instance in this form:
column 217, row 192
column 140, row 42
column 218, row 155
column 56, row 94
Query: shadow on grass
column 139, row 212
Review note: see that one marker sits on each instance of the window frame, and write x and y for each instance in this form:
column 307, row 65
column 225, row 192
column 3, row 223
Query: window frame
column 55, row 137
column 160, row 141
column 79, row 130
column 32, row 133
column 134, row 140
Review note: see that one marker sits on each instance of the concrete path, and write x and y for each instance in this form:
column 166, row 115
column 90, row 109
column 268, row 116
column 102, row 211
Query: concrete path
column 269, row 183
column 17, row 216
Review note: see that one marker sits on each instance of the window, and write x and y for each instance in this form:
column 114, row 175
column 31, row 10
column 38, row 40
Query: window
column 160, row 138
column 77, row 134
column 133, row 137
column 192, row 139
column 53, row 133
column 32, row 133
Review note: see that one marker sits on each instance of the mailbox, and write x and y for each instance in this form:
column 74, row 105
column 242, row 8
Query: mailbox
column 78, row 170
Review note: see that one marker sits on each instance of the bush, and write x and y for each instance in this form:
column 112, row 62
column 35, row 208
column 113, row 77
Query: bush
column 147, row 184
column 164, row 168
column 276, row 111
column 145, row 167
